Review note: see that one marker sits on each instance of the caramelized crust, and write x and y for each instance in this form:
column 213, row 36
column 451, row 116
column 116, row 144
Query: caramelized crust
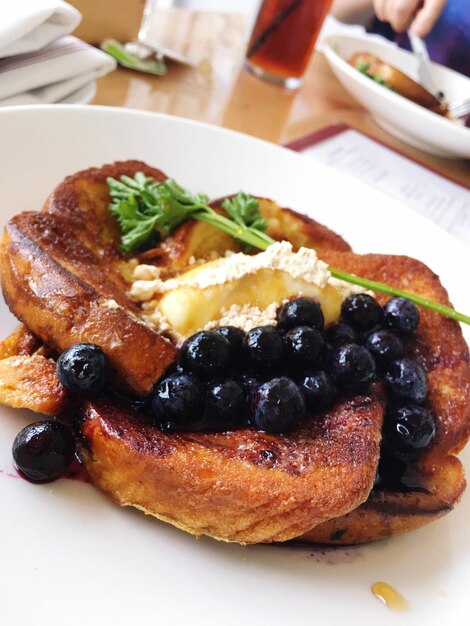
column 385, row 513
column 60, row 276
column 441, row 349
column 31, row 382
column 243, row 486
column 299, row 229
column 20, row 342
column 84, row 198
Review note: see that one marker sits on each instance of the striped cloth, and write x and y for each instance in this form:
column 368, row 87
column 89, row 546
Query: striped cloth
column 39, row 62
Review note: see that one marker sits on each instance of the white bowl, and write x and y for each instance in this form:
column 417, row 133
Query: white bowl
column 400, row 117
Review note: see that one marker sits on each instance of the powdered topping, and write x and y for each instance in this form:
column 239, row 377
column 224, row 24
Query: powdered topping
column 245, row 317
column 303, row 264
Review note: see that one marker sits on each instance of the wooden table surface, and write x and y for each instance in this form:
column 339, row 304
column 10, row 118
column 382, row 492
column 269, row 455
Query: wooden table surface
column 219, row 91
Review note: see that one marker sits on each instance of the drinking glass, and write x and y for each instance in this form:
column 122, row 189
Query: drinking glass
column 283, row 38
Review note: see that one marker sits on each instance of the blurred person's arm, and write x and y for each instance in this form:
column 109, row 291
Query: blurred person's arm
column 418, row 15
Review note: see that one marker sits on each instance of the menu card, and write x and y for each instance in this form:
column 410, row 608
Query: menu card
column 441, row 200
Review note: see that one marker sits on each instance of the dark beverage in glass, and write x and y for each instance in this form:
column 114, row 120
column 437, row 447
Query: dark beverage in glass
column 283, row 38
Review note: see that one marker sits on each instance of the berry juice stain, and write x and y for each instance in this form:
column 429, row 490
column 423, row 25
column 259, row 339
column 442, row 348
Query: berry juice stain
column 9, row 474
column 77, row 472
column 392, row 599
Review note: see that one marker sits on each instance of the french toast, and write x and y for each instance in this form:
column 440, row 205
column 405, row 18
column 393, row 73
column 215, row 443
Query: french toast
column 28, row 377
column 60, row 274
column 438, row 477
column 244, row 486
column 314, row 484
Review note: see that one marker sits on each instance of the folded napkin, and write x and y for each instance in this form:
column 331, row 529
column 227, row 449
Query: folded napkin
column 28, row 25
column 63, row 71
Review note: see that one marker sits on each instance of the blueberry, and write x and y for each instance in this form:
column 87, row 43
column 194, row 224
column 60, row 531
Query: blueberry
column 235, row 337
column 402, row 315
column 277, row 405
column 43, row 451
column 300, row 312
column 352, row 367
column 264, row 347
column 225, row 406
column 407, row 380
column 408, row 430
column 82, row 368
column 249, row 381
column 177, row 403
column 339, row 333
column 389, row 472
column 318, row 389
column 205, row 353
column 305, row 347
column 361, row 311
column 384, row 346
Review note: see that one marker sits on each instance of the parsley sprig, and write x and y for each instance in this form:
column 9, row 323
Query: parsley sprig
column 144, row 207
column 364, row 68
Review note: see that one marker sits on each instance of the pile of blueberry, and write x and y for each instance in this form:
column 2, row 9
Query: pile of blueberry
column 268, row 378
column 271, row 376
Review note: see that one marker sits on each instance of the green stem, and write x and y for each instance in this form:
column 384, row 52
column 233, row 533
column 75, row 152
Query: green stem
column 262, row 241
column 197, row 208
column 231, row 228
column 447, row 311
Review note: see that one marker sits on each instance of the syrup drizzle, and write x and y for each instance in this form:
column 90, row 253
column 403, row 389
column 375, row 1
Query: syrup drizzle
column 392, row 599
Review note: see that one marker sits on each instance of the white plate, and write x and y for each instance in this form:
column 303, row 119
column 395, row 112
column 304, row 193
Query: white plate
column 69, row 556
column 400, row 117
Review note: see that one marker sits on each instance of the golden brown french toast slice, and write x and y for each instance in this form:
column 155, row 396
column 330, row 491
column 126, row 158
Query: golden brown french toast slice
column 246, row 486
column 60, row 273
column 438, row 475
column 439, row 484
column 28, row 378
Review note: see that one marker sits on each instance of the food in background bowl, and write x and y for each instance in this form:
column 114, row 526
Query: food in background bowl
column 392, row 78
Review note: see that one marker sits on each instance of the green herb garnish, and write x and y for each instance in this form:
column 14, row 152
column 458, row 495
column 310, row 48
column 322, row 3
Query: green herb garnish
column 144, row 207
column 127, row 58
column 364, row 68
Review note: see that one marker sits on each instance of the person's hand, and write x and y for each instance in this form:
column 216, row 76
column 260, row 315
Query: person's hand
column 419, row 15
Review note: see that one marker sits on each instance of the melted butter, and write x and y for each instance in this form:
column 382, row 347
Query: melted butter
column 390, row 597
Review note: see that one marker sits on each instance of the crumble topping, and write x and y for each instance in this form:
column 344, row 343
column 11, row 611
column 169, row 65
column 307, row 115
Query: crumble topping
column 150, row 289
column 245, row 317
column 303, row 264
